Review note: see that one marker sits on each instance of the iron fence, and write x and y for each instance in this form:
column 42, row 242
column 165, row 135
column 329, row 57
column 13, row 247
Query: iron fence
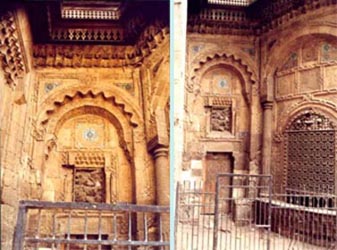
column 74, row 225
column 242, row 213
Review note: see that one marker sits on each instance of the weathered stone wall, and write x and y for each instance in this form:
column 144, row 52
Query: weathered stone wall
column 15, row 131
column 299, row 70
column 222, row 101
column 282, row 72
column 107, row 120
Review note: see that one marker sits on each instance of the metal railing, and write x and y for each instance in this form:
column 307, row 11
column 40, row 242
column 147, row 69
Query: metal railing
column 75, row 225
column 243, row 213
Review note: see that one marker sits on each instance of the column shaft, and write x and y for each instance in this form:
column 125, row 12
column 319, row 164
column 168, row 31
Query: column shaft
column 267, row 137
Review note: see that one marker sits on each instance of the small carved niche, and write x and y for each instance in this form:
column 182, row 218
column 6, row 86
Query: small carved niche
column 89, row 185
column 88, row 175
column 221, row 119
column 221, row 113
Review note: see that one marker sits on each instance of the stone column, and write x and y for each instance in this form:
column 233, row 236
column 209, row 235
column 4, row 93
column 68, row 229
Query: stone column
column 267, row 137
column 162, row 168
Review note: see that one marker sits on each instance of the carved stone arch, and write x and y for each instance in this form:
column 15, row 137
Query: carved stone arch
column 314, row 105
column 240, row 61
column 237, row 54
column 242, row 72
column 112, row 95
column 96, row 106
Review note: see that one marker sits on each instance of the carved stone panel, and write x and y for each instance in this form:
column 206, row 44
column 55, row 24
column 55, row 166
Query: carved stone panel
column 330, row 77
column 89, row 185
column 311, row 121
column 310, row 80
column 221, row 119
column 285, row 85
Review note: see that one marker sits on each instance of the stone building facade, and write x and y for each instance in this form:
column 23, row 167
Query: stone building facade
column 84, row 104
column 260, row 92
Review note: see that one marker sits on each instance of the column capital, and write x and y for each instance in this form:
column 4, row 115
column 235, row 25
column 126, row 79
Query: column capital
column 267, row 105
column 160, row 151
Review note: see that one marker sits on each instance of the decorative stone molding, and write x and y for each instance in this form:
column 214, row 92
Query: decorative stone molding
column 111, row 96
column 49, row 55
column 11, row 55
column 245, row 74
column 227, row 59
column 310, row 120
column 267, row 105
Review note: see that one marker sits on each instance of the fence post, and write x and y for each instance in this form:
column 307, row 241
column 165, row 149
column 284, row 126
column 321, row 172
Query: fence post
column 216, row 211
column 270, row 186
column 19, row 234
column 176, row 215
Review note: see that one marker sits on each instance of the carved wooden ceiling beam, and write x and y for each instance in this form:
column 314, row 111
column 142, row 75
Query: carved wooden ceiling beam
column 100, row 22
column 250, row 19
column 54, row 55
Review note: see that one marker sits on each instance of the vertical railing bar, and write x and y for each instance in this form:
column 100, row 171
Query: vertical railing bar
column 37, row 236
column 176, row 222
column 54, row 228
column 130, row 230
column 255, row 213
column 335, row 210
column 160, row 228
column 19, row 233
column 68, row 229
column 192, row 222
column 270, row 186
column 187, row 208
column 199, row 202
column 100, row 229
column 209, row 219
column 145, row 227
column 115, row 226
column 85, row 227
column 216, row 211
column 203, row 208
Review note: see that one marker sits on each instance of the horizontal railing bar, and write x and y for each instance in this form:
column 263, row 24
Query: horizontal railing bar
column 94, row 206
column 262, row 226
column 259, row 177
column 98, row 242
column 197, row 192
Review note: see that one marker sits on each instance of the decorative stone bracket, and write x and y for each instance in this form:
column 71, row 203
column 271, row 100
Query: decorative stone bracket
column 11, row 55
column 158, row 132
